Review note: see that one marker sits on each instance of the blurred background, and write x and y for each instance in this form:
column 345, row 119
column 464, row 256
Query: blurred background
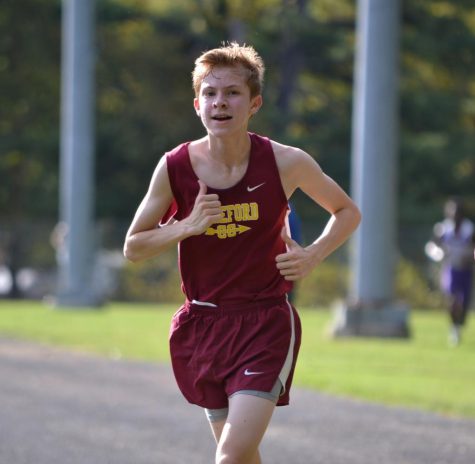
column 145, row 51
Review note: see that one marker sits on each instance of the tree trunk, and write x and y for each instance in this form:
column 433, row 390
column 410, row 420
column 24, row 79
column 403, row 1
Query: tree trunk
column 291, row 58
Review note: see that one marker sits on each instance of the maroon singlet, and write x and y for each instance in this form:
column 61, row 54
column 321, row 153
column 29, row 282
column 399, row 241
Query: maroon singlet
column 233, row 262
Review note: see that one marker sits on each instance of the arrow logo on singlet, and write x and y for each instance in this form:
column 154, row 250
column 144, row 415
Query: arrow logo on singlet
column 251, row 189
column 239, row 229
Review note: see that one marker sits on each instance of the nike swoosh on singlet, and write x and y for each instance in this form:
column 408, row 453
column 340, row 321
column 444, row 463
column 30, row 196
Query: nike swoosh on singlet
column 251, row 189
column 248, row 372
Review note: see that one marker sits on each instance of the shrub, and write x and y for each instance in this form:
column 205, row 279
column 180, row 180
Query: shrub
column 155, row 280
column 326, row 283
column 329, row 282
column 158, row 280
column 412, row 286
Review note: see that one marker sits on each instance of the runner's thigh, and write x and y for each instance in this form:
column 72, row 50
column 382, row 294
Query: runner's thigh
column 245, row 426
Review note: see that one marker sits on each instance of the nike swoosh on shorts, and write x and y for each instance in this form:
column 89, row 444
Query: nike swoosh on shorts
column 248, row 372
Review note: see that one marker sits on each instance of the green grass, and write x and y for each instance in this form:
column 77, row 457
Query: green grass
column 422, row 372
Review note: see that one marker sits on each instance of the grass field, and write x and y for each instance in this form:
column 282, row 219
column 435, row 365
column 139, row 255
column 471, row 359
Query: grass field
column 422, row 372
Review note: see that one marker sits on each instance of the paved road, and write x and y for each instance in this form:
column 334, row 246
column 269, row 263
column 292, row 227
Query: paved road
column 58, row 407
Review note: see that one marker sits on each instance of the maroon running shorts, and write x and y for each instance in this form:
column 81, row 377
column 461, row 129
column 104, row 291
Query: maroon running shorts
column 218, row 351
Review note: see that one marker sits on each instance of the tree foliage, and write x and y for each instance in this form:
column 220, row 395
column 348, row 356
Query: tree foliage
column 29, row 79
column 145, row 54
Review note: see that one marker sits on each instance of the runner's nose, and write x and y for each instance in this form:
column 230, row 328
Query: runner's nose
column 220, row 103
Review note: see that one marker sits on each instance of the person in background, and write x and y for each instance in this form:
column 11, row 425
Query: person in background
column 453, row 244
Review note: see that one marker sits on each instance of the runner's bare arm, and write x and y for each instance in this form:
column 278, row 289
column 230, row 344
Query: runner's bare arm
column 146, row 239
column 299, row 170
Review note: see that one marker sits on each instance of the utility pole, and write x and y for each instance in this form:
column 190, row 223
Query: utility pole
column 76, row 261
column 371, row 309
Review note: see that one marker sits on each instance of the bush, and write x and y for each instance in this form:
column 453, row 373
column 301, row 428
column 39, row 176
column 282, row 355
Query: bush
column 158, row 280
column 155, row 280
column 326, row 283
column 412, row 286
column 329, row 282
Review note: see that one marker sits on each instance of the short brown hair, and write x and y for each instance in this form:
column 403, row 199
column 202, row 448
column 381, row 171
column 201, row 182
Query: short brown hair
column 231, row 54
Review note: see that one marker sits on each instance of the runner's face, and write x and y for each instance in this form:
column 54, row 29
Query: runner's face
column 224, row 103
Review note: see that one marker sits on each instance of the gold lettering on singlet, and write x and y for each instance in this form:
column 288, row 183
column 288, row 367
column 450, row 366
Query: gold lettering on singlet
column 232, row 214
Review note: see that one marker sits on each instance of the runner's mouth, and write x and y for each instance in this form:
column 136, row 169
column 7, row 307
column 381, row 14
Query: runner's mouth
column 221, row 118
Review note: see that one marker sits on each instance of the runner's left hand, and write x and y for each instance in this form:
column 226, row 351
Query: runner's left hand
column 297, row 262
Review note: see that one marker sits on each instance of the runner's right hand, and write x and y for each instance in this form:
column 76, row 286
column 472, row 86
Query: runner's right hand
column 206, row 211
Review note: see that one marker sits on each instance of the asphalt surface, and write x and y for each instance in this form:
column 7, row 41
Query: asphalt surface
column 58, row 407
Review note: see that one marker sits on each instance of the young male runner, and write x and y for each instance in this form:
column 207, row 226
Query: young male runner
column 224, row 200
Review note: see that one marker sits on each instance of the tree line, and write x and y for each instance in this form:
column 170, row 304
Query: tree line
column 145, row 54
